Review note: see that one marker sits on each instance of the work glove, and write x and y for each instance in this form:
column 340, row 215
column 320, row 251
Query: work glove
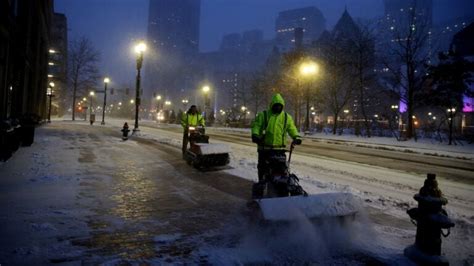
column 297, row 141
column 256, row 139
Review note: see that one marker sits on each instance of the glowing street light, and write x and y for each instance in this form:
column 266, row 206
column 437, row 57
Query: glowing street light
column 106, row 81
column 185, row 102
column 140, row 49
column 49, row 93
column 308, row 69
column 91, row 94
column 207, row 102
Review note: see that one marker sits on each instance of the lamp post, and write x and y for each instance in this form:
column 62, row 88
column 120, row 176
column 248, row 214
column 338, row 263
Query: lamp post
column 451, row 114
column 308, row 69
column 106, row 81
column 85, row 107
column 244, row 111
column 206, row 89
column 140, row 48
column 185, row 103
column 397, row 115
column 168, row 112
column 49, row 93
column 92, row 93
column 158, row 100
column 346, row 113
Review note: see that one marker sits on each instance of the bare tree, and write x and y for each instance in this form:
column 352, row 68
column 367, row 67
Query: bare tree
column 363, row 62
column 406, row 57
column 337, row 87
column 84, row 72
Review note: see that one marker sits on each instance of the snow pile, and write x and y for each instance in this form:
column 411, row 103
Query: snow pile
column 304, row 242
column 312, row 206
column 207, row 148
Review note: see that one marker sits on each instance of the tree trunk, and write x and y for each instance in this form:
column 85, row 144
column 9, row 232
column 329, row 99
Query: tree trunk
column 334, row 128
column 74, row 102
column 451, row 130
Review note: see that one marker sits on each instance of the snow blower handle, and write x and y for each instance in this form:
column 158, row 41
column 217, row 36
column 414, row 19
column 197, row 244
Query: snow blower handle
column 292, row 146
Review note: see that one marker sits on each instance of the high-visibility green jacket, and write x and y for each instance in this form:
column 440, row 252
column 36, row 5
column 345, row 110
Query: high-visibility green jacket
column 274, row 127
column 190, row 120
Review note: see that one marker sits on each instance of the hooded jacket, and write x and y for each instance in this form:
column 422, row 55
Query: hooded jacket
column 274, row 127
column 190, row 120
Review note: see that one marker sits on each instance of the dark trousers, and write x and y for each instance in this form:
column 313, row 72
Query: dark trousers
column 185, row 141
column 262, row 162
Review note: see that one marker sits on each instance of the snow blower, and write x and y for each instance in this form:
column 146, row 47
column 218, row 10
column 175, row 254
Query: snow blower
column 202, row 154
column 280, row 197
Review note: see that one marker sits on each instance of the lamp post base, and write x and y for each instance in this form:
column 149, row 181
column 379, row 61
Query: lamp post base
column 102, row 123
column 136, row 130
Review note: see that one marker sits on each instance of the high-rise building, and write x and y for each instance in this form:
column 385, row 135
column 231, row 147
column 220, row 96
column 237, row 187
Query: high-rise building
column 58, row 61
column 173, row 39
column 396, row 10
column 407, row 13
column 310, row 19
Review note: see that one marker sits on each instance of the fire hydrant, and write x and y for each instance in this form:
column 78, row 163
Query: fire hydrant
column 430, row 219
column 125, row 131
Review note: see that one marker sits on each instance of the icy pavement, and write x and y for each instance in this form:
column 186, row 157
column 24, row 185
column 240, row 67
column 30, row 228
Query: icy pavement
column 80, row 195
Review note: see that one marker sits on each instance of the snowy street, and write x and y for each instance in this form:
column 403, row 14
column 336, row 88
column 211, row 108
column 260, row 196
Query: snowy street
column 81, row 195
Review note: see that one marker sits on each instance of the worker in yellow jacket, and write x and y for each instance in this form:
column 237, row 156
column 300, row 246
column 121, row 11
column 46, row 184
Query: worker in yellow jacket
column 192, row 118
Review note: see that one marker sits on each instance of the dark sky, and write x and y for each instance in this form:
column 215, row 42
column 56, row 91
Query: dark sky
column 112, row 25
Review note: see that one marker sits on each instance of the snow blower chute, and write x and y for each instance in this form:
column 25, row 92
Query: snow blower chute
column 202, row 154
column 280, row 197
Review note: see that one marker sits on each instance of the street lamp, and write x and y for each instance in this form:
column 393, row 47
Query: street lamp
column 158, row 105
column 185, row 103
column 395, row 111
column 140, row 48
column 91, row 94
column 244, row 111
column 49, row 93
column 207, row 102
column 106, row 81
column 451, row 114
column 308, row 69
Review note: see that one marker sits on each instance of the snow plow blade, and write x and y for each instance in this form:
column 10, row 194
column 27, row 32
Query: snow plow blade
column 209, row 155
column 317, row 206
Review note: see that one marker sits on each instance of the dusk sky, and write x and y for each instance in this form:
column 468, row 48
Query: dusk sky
column 112, row 25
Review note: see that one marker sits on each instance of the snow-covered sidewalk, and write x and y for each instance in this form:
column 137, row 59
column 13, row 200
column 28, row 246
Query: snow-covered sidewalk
column 386, row 193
